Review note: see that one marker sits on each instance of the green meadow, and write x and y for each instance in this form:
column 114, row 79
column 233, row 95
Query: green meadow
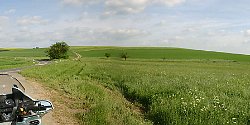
column 159, row 53
column 160, row 86
column 16, row 52
column 15, row 58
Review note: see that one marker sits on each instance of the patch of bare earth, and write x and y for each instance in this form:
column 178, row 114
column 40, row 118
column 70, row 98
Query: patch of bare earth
column 62, row 114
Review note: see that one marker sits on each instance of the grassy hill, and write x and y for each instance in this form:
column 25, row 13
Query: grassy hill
column 113, row 91
column 159, row 53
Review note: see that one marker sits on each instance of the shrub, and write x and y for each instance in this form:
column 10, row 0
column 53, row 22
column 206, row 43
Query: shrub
column 58, row 50
column 124, row 55
column 107, row 55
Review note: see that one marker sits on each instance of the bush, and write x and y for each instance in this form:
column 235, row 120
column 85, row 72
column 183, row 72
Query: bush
column 58, row 50
column 107, row 55
column 124, row 55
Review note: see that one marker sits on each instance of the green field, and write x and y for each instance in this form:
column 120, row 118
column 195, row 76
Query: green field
column 159, row 53
column 8, row 63
column 15, row 58
column 22, row 52
column 190, row 87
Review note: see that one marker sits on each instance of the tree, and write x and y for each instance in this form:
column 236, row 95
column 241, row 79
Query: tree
column 107, row 55
column 124, row 55
column 58, row 50
column 164, row 58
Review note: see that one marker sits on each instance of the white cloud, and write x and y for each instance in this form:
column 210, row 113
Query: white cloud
column 79, row 2
column 123, row 34
column 170, row 2
column 113, row 7
column 98, row 36
column 4, row 22
column 124, row 7
column 10, row 11
column 74, row 2
column 247, row 32
column 134, row 6
column 32, row 20
column 3, row 19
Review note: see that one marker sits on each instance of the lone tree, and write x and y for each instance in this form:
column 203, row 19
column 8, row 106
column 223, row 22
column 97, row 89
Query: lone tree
column 124, row 55
column 107, row 55
column 58, row 50
column 164, row 58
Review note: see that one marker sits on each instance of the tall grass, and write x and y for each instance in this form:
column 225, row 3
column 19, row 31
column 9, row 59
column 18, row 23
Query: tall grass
column 167, row 93
column 95, row 104
column 184, row 93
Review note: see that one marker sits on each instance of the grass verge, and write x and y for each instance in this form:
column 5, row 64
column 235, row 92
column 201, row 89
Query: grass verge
column 173, row 93
column 94, row 103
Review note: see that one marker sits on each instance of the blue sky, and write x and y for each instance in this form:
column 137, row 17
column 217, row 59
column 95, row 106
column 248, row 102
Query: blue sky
column 219, row 25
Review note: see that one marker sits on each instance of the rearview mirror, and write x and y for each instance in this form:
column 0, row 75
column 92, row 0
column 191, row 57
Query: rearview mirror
column 45, row 106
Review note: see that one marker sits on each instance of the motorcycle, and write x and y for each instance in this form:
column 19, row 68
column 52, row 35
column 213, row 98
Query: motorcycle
column 17, row 108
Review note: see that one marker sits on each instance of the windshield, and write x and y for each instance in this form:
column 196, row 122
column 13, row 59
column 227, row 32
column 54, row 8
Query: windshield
column 7, row 82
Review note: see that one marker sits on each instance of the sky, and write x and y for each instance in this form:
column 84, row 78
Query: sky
column 216, row 25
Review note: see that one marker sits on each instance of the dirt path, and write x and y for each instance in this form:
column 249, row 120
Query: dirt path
column 78, row 56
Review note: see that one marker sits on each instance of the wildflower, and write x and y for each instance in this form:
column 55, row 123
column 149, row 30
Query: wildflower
column 184, row 103
column 198, row 100
column 234, row 120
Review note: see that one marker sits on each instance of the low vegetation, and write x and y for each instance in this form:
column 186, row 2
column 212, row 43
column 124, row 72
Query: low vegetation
column 173, row 92
column 25, row 53
column 154, row 53
column 16, row 58
column 96, row 104
column 8, row 63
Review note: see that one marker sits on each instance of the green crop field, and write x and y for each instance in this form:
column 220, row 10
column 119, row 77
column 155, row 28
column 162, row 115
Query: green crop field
column 22, row 52
column 13, row 58
column 190, row 87
column 8, row 63
column 159, row 53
